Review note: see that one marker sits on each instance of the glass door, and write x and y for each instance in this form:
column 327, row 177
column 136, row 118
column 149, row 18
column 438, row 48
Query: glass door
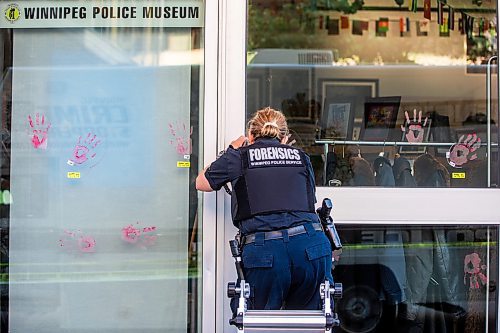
column 102, row 109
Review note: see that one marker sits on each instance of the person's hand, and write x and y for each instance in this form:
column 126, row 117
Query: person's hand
column 285, row 141
column 241, row 141
column 415, row 130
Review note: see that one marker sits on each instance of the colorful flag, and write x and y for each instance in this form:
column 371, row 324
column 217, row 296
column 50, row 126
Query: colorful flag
column 404, row 26
column 422, row 28
column 344, row 22
column 461, row 23
column 357, row 27
column 440, row 8
column 413, row 5
column 481, row 27
column 469, row 26
column 451, row 18
column 333, row 27
column 383, row 24
column 381, row 28
column 427, row 9
column 444, row 30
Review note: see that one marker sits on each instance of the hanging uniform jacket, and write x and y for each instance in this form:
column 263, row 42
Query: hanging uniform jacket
column 402, row 173
column 275, row 178
column 362, row 172
column 383, row 172
column 429, row 172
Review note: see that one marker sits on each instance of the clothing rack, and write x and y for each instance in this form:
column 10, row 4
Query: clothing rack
column 327, row 143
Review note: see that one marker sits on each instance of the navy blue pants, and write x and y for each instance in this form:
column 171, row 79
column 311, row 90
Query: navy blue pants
column 286, row 273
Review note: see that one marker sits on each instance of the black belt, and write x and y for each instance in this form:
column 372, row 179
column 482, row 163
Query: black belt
column 277, row 234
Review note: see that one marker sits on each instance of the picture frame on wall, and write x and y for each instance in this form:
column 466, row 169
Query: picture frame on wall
column 336, row 121
column 417, row 149
column 342, row 104
column 379, row 121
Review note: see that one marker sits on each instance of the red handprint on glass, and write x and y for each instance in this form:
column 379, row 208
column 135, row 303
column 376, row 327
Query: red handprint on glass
column 474, row 271
column 77, row 241
column 39, row 131
column 181, row 138
column 84, row 149
column 463, row 151
column 415, row 130
column 137, row 235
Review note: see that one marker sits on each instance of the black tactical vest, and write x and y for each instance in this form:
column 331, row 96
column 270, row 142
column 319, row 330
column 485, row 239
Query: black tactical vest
column 275, row 179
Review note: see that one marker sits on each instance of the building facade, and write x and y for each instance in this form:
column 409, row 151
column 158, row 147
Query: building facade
column 111, row 108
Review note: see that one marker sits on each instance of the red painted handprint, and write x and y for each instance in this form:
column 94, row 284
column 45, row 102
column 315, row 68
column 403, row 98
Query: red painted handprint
column 140, row 236
column 463, row 151
column 415, row 130
column 474, row 271
column 84, row 150
column 40, row 131
column 77, row 241
column 181, row 138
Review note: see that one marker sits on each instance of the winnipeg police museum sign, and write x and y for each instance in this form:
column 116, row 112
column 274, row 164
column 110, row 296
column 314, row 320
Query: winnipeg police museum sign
column 102, row 13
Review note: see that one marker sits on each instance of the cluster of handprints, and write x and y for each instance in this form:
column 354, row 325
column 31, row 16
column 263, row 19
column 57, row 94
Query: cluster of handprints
column 84, row 153
column 84, row 150
column 74, row 241
column 459, row 153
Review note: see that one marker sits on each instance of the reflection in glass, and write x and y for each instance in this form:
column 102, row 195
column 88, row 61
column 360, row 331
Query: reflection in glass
column 418, row 278
column 309, row 58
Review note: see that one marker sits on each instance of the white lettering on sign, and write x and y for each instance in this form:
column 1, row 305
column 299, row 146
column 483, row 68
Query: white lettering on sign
column 273, row 156
column 171, row 12
column 102, row 13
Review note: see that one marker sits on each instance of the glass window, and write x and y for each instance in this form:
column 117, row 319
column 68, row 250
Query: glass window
column 418, row 278
column 379, row 94
column 100, row 144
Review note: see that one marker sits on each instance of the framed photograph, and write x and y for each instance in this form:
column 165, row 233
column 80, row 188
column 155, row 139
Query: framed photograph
column 342, row 102
column 416, row 149
column 379, row 119
column 336, row 121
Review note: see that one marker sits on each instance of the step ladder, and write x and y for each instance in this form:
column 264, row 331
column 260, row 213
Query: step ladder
column 307, row 321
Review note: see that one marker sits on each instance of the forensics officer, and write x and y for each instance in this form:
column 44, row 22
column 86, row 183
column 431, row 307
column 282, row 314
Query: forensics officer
column 285, row 254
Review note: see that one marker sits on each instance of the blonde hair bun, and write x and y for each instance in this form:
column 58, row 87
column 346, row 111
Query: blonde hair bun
column 273, row 124
column 268, row 122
